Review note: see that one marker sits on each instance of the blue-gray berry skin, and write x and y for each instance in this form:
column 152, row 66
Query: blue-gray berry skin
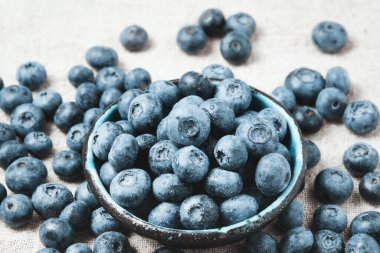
column 27, row 118
column 107, row 173
column 331, row 104
column 362, row 243
column 7, row 133
column 283, row 150
column 292, row 216
column 326, row 241
column 161, row 156
column 217, row 71
column 308, row 119
column 25, row 174
column 48, row 101
column 169, row 188
column 190, row 164
column 137, row 78
column 76, row 136
column 313, row 154
column 77, row 214
column 48, row 250
column 298, row 239
column 87, row 96
column 272, row 174
column 235, row 92
column 56, row 233
column 130, row 187
column 241, row 22
column 78, row 248
column 79, row 74
column 123, row 152
column 16, row 210
column 67, row 115
column 369, row 187
column 3, row 192
column 222, row 183
column 329, row 217
column 246, row 117
column 261, row 242
column 38, row 144
column 31, row 74
column 278, row 121
column 102, row 221
column 191, row 39
column 360, row 158
column 337, row 77
column 109, row 96
column 67, row 164
column 49, row 199
column 333, row 186
column 104, row 138
column 237, row 209
column 306, row 84
column 168, row 250
column 91, row 115
column 112, row 242
column 166, row 91
column 194, row 83
column 285, row 97
column 199, row 212
column 212, row 22
column 134, row 38
column 13, row 96
column 110, row 77
column 231, row 153
column 99, row 57
column 125, row 101
column 189, row 100
column 145, row 112
column 236, row 47
column 361, row 117
column 165, row 215
column 127, row 126
column 330, row 37
column 367, row 222
column 84, row 193
column 221, row 114
column 10, row 151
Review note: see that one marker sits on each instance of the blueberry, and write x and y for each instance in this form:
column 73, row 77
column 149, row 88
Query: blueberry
column 189, row 100
column 16, row 210
column 3, row 192
column 165, row 215
column 366, row 223
column 137, row 78
column 161, row 156
column 166, row 91
column 10, row 151
column 329, row 217
column 145, row 142
column 221, row 114
column 194, row 83
column 360, row 159
column 67, row 164
column 27, row 118
column 333, row 186
column 313, row 154
column 191, row 39
column 329, row 37
column 25, row 174
column 162, row 129
column 222, row 183
column 272, row 174
column 361, row 117
column 48, row 250
column 331, row 103
column 337, row 77
column 91, row 115
column 190, row 164
column 107, row 173
column 56, row 233
column 127, row 126
column 261, row 242
column 236, row 47
column 99, row 57
column 298, row 239
column 241, row 22
column 169, row 188
column 123, row 152
column 278, row 121
column 49, row 199
column 7, row 133
column 235, row 92
column 38, row 144
column 145, row 112
column 130, row 187
column 111, row 242
column 217, row 71
column 326, row 241
column 308, row 118
column 283, row 150
column 246, row 117
column 76, row 136
column 231, row 153
column 109, row 96
column 362, row 243
column 110, row 77
column 305, row 84
column 134, row 38
column 285, row 97
column 31, row 74
column 78, row 248
column 77, row 214
column 168, row 250
column 48, row 101
column 80, row 74
column 13, row 96
column 199, row 212
column 102, row 221
column 292, row 216
column 103, row 139
column 237, row 209
column 87, row 96
column 125, row 101
column 212, row 22
column 1, row 83
column 84, row 193
column 369, row 187
column 67, row 115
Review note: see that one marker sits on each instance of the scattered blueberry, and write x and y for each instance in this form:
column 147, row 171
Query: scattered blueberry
column 212, row 22
column 38, row 144
column 31, row 74
column 110, row 77
column 292, row 216
column 109, row 96
column 261, row 242
column 217, row 71
column 236, row 47
column 13, row 96
column 87, row 96
column 7, row 133
column 360, row 158
column 369, row 187
column 137, row 78
column 329, row 37
column 27, row 118
column 241, row 22
column 3, row 192
column 111, row 242
column 80, row 74
column 48, row 101
column 134, row 38
column 362, row 243
column 313, row 154
column 329, row 217
column 76, row 136
column 48, row 250
column 166, row 91
column 102, row 221
column 16, row 210
column 67, row 115
column 331, row 104
column 78, row 248
column 10, row 151
column 328, row 241
column 366, row 223
column 191, row 39
column 361, row 117
column 84, row 194
column 67, row 164
column 91, row 115
column 194, row 83
column 99, row 57
column 308, row 118
column 285, row 97
column 298, row 239
column 77, row 214
column 337, row 77
column 56, row 233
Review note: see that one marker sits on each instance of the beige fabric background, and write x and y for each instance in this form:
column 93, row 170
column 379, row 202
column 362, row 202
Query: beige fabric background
column 58, row 33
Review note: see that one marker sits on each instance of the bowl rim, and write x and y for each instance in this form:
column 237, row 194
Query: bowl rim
column 199, row 238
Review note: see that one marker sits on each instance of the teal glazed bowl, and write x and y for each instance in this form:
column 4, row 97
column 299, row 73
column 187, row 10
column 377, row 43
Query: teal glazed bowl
column 209, row 237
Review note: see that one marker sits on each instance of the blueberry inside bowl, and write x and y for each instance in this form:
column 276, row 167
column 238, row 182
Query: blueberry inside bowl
column 226, row 231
